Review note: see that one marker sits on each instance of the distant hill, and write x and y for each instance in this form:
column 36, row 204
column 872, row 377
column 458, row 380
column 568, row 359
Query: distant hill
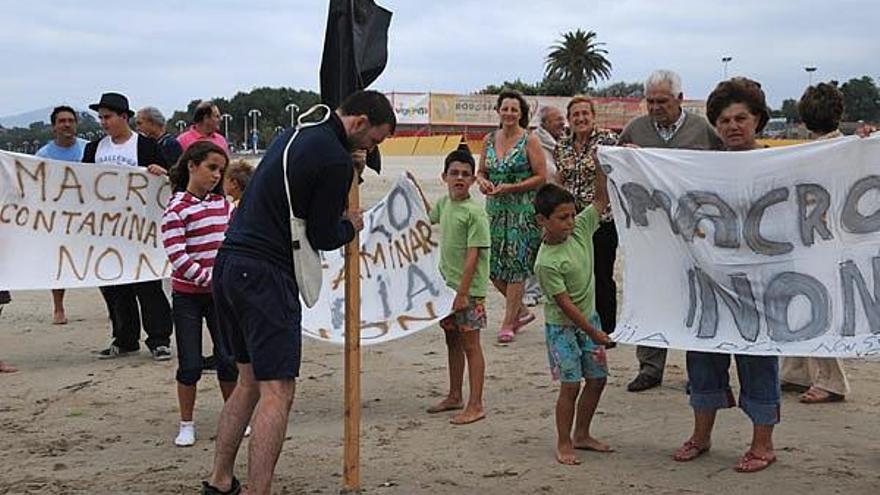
column 27, row 118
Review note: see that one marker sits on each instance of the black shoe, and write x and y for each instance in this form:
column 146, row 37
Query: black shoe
column 235, row 489
column 114, row 351
column 161, row 353
column 643, row 382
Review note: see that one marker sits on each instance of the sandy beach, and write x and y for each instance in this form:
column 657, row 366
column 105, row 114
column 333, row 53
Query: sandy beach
column 71, row 424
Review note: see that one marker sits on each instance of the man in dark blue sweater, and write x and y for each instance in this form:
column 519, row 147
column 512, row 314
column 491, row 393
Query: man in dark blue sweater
column 254, row 287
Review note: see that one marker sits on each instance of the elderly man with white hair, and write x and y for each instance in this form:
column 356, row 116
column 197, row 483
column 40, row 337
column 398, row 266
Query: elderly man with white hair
column 552, row 128
column 151, row 123
column 667, row 125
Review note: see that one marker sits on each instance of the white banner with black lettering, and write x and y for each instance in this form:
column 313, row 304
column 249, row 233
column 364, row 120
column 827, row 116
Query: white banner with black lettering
column 402, row 290
column 72, row 225
column 772, row 252
column 68, row 225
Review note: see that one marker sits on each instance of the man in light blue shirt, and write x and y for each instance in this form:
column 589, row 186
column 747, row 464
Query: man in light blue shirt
column 67, row 147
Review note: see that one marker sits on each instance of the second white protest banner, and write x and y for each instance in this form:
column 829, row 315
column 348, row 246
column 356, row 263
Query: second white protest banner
column 771, row 252
column 402, row 290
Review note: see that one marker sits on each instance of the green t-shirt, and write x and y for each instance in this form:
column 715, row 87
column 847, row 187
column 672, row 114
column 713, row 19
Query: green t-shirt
column 568, row 267
column 463, row 224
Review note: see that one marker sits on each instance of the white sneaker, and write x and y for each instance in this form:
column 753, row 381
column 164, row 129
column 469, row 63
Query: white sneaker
column 186, row 437
column 247, row 431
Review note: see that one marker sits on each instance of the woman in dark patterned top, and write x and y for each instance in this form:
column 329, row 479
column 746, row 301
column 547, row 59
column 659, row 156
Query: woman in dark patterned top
column 575, row 157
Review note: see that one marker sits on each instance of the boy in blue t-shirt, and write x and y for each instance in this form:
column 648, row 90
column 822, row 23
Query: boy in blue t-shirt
column 464, row 264
column 575, row 342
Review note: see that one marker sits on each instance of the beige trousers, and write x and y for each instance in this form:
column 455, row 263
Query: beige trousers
column 824, row 373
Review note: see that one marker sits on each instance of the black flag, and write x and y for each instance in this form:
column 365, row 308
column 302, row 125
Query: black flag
column 355, row 52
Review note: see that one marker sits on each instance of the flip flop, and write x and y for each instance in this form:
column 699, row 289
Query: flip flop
column 523, row 321
column 816, row 395
column 689, row 451
column 506, row 335
column 752, row 462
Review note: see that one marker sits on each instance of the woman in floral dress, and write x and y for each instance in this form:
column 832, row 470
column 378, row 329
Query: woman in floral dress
column 511, row 169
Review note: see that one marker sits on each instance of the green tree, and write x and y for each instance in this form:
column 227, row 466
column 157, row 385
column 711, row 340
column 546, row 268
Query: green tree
column 271, row 103
column 789, row 110
column 518, row 85
column 861, row 100
column 546, row 87
column 621, row 90
column 577, row 60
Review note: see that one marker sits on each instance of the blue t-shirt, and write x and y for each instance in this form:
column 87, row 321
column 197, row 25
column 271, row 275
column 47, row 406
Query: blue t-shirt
column 73, row 153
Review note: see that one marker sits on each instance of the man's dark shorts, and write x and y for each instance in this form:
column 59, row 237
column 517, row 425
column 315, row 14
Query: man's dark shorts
column 259, row 314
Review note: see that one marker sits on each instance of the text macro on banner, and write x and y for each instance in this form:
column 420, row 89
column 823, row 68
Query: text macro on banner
column 68, row 225
column 402, row 290
column 772, row 252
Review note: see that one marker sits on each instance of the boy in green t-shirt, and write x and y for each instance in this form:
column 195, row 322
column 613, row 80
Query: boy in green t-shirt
column 464, row 264
column 575, row 342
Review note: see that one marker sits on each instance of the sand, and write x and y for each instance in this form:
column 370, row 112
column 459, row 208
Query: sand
column 71, row 424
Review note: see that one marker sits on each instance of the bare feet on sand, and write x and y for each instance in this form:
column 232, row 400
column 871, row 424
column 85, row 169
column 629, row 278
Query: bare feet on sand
column 566, row 455
column 7, row 368
column 590, row 443
column 468, row 416
column 59, row 318
column 446, row 404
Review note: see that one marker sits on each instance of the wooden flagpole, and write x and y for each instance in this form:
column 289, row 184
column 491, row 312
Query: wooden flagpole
column 351, row 470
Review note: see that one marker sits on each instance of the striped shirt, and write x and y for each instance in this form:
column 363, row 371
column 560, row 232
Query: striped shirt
column 192, row 231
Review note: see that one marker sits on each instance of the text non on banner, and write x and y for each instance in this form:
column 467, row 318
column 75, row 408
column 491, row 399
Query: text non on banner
column 770, row 252
column 68, row 225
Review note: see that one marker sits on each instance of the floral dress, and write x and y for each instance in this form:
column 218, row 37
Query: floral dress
column 514, row 232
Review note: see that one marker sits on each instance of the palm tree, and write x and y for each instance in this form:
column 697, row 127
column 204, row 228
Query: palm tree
column 577, row 60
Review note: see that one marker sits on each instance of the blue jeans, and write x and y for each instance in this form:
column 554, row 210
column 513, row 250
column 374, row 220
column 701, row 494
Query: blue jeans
column 189, row 310
column 709, row 384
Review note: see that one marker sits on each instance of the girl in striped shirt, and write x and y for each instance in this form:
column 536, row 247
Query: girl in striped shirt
column 193, row 228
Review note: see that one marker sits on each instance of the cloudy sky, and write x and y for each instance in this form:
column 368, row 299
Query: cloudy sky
column 166, row 53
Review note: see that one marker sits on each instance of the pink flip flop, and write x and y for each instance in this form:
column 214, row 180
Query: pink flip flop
column 506, row 335
column 523, row 321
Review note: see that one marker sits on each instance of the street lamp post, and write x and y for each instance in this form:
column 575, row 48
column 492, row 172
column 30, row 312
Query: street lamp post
column 244, row 137
column 724, row 62
column 226, row 118
column 255, row 113
column 810, row 69
column 180, row 125
column 293, row 108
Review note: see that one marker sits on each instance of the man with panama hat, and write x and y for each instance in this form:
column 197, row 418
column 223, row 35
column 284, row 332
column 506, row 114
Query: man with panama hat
column 129, row 304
